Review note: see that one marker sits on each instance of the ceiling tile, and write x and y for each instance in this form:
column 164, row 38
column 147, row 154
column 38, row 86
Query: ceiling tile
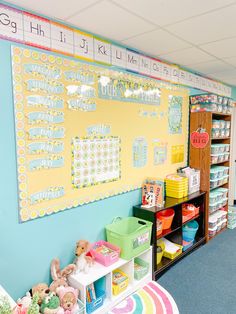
column 212, row 66
column 231, row 61
column 225, row 74
column 163, row 12
column 222, row 48
column 109, row 20
column 187, row 56
column 156, row 42
column 208, row 27
column 54, row 8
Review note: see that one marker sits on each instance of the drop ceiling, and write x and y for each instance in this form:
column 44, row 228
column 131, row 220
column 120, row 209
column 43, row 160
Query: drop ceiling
column 200, row 35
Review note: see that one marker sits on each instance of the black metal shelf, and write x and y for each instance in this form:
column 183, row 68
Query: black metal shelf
column 173, row 202
column 175, row 233
column 166, row 262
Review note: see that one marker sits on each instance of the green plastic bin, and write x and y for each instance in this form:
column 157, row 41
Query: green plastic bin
column 131, row 234
column 143, row 271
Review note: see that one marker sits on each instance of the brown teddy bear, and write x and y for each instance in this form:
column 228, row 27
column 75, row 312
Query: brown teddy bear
column 42, row 290
column 60, row 276
column 68, row 299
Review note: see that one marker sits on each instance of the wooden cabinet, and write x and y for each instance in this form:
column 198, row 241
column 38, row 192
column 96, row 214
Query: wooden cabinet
column 174, row 234
column 200, row 158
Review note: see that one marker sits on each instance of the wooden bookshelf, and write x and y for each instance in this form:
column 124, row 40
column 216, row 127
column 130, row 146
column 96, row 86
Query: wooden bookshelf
column 201, row 158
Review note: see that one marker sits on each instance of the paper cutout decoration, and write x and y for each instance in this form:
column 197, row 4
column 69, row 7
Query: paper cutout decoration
column 175, row 114
column 48, row 194
column 40, row 101
column 140, row 148
column 177, row 154
column 53, row 117
column 95, row 161
column 50, row 162
column 160, row 153
column 52, row 147
column 199, row 138
column 126, row 90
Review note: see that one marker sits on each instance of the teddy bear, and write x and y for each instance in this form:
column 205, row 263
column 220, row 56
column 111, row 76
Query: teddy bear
column 42, row 290
column 83, row 260
column 68, row 299
column 51, row 304
column 60, row 276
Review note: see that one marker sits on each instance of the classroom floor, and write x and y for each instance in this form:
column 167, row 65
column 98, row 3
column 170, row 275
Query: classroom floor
column 204, row 282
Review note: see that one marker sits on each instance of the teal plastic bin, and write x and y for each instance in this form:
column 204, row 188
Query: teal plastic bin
column 131, row 234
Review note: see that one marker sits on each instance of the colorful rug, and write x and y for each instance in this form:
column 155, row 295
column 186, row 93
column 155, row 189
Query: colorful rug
column 151, row 299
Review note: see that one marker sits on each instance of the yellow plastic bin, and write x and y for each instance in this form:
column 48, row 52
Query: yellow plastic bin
column 161, row 244
column 120, row 281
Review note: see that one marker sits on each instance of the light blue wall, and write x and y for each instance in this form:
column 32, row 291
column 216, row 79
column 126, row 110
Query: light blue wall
column 27, row 249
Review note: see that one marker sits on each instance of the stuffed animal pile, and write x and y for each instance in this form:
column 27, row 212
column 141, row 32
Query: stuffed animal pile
column 58, row 297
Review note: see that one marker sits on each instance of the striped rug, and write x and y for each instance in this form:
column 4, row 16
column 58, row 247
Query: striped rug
column 151, row 299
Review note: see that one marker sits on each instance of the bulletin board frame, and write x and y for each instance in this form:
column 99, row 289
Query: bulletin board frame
column 59, row 198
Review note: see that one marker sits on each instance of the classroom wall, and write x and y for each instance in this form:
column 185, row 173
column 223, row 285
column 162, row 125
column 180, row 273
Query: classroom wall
column 27, row 249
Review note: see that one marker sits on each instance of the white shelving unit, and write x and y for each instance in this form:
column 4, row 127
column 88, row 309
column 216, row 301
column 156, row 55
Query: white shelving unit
column 99, row 272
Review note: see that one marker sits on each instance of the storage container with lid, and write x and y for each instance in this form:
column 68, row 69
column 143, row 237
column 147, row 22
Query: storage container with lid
column 224, row 223
column 227, row 132
column 215, row 124
column 214, row 183
column 223, row 214
column 214, row 173
column 222, row 132
column 212, row 222
column 215, row 133
column 218, row 227
column 215, row 149
column 227, row 124
column 212, row 232
column 223, row 192
column 213, row 196
column 214, row 159
column 226, row 156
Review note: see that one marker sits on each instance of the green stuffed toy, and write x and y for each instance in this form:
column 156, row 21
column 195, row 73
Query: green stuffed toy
column 50, row 304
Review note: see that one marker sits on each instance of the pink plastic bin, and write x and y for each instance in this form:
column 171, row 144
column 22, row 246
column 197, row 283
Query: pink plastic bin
column 105, row 260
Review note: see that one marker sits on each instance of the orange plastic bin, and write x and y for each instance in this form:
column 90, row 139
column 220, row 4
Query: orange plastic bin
column 166, row 216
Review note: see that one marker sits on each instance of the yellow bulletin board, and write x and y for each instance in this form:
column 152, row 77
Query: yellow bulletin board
column 85, row 132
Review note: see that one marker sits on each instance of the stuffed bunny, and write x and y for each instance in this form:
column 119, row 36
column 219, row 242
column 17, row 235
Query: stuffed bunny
column 60, row 276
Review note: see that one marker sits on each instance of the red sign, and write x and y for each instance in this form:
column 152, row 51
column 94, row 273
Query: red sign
column 199, row 138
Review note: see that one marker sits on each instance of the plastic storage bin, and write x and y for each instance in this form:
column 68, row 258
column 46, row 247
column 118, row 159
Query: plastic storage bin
column 213, row 207
column 173, row 255
column 119, row 285
column 166, row 216
column 187, row 215
column 141, row 268
column 212, row 222
column 187, row 245
column 159, row 227
column 160, row 250
column 214, row 173
column 223, row 192
column 214, row 158
column 226, row 156
column 212, row 231
column 132, row 235
column 214, row 183
column 109, row 256
column 98, row 302
column 224, row 223
column 190, row 230
column 215, row 133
